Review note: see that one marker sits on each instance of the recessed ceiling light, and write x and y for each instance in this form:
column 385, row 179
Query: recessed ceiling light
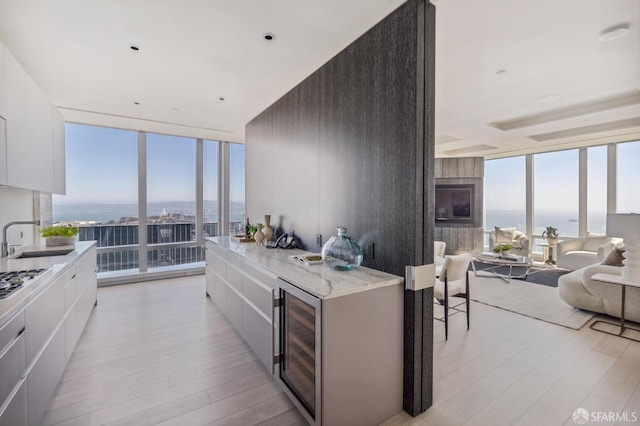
column 221, row 98
column 501, row 72
column 269, row 36
column 134, row 48
column 613, row 32
column 136, row 103
column 548, row 98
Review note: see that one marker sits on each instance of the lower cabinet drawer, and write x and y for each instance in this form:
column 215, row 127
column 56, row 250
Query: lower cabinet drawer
column 43, row 378
column 233, row 308
column 257, row 331
column 12, row 365
column 16, row 412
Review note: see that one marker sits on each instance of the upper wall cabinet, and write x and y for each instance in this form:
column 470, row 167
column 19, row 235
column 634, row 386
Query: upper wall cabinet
column 3, row 92
column 34, row 133
column 59, row 175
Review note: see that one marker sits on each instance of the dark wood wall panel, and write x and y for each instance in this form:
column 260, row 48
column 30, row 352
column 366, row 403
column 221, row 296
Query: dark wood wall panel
column 341, row 148
column 353, row 145
column 462, row 237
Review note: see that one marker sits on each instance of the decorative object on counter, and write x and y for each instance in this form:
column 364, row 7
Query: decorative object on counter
column 267, row 231
column 551, row 234
column 341, row 252
column 308, row 259
column 59, row 235
column 259, row 235
column 247, row 229
column 502, row 249
column 242, row 239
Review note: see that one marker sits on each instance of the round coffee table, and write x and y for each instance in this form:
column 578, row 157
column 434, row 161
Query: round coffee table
column 500, row 263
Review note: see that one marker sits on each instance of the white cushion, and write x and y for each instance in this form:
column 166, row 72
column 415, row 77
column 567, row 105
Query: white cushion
column 592, row 243
column 505, row 235
column 455, row 287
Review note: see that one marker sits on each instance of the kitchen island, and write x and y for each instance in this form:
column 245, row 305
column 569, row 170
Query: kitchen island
column 40, row 324
column 333, row 339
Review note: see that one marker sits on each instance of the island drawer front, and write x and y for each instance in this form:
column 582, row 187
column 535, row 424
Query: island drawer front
column 234, row 277
column 265, row 278
column 235, row 260
column 220, row 252
column 259, row 295
column 216, row 263
column 10, row 330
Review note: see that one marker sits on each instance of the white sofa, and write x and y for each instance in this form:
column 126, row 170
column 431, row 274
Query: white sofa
column 580, row 252
column 520, row 242
column 578, row 289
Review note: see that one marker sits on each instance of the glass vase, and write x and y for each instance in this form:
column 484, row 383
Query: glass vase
column 341, row 252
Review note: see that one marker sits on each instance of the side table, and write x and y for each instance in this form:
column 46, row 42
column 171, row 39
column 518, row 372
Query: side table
column 549, row 253
column 616, row 279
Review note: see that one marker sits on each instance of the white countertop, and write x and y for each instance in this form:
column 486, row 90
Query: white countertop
column 319, row 280
column 56, row 265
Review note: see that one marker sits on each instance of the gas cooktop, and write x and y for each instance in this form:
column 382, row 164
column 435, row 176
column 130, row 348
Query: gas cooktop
column 10, row 282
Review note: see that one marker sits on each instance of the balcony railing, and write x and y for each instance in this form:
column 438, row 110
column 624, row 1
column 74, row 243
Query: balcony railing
column 168, row 244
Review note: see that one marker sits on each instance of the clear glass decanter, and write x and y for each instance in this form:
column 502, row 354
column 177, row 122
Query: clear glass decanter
column 341, row 252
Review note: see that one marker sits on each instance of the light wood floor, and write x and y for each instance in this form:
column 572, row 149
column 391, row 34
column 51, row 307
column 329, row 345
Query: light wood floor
column 162, row 353
column 514, row 370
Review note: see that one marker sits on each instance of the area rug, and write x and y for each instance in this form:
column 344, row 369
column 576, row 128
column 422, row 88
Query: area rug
column 541, row 302
column 537, row 274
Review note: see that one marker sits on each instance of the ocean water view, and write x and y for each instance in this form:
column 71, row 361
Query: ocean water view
column 105, row 212
column 566, row 222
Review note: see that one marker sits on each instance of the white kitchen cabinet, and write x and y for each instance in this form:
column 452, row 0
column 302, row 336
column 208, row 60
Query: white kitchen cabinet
column 40, row 339
column 43, row 378
column 12, row 356
column 42, row 316
column 16, row 122
column 39, row 139
column 59, row 176
column 3, row 151
column 16, row 412
column 34, row 132
column 245, row 294
column 3, row 91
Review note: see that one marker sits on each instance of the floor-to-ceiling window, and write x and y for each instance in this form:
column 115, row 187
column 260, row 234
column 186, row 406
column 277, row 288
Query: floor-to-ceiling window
column 210, row 188
column 557, row 180
column 236, row 186
column 103, row 194
column 505, row 194
column 597, row 190
column 628, row 177
column 556, row 189
column 171, row 201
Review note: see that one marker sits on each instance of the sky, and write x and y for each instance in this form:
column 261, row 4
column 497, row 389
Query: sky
column 556, row 181
column 102, row 166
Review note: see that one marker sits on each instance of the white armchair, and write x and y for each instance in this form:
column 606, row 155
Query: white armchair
column 519, row 240
column 580, row 252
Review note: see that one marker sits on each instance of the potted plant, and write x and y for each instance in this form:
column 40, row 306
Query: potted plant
column 551, row 234
column 59, row 235
column 502, row 249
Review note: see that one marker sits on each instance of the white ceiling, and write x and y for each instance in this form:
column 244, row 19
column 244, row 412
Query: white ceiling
column 194, row 52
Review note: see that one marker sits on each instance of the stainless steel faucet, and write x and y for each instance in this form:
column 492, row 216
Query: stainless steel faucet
column 5, row 246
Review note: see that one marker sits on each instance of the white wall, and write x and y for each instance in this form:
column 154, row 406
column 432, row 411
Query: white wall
column 17, row 204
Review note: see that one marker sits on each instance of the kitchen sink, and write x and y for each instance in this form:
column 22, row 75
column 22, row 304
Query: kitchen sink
column 44, row 253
